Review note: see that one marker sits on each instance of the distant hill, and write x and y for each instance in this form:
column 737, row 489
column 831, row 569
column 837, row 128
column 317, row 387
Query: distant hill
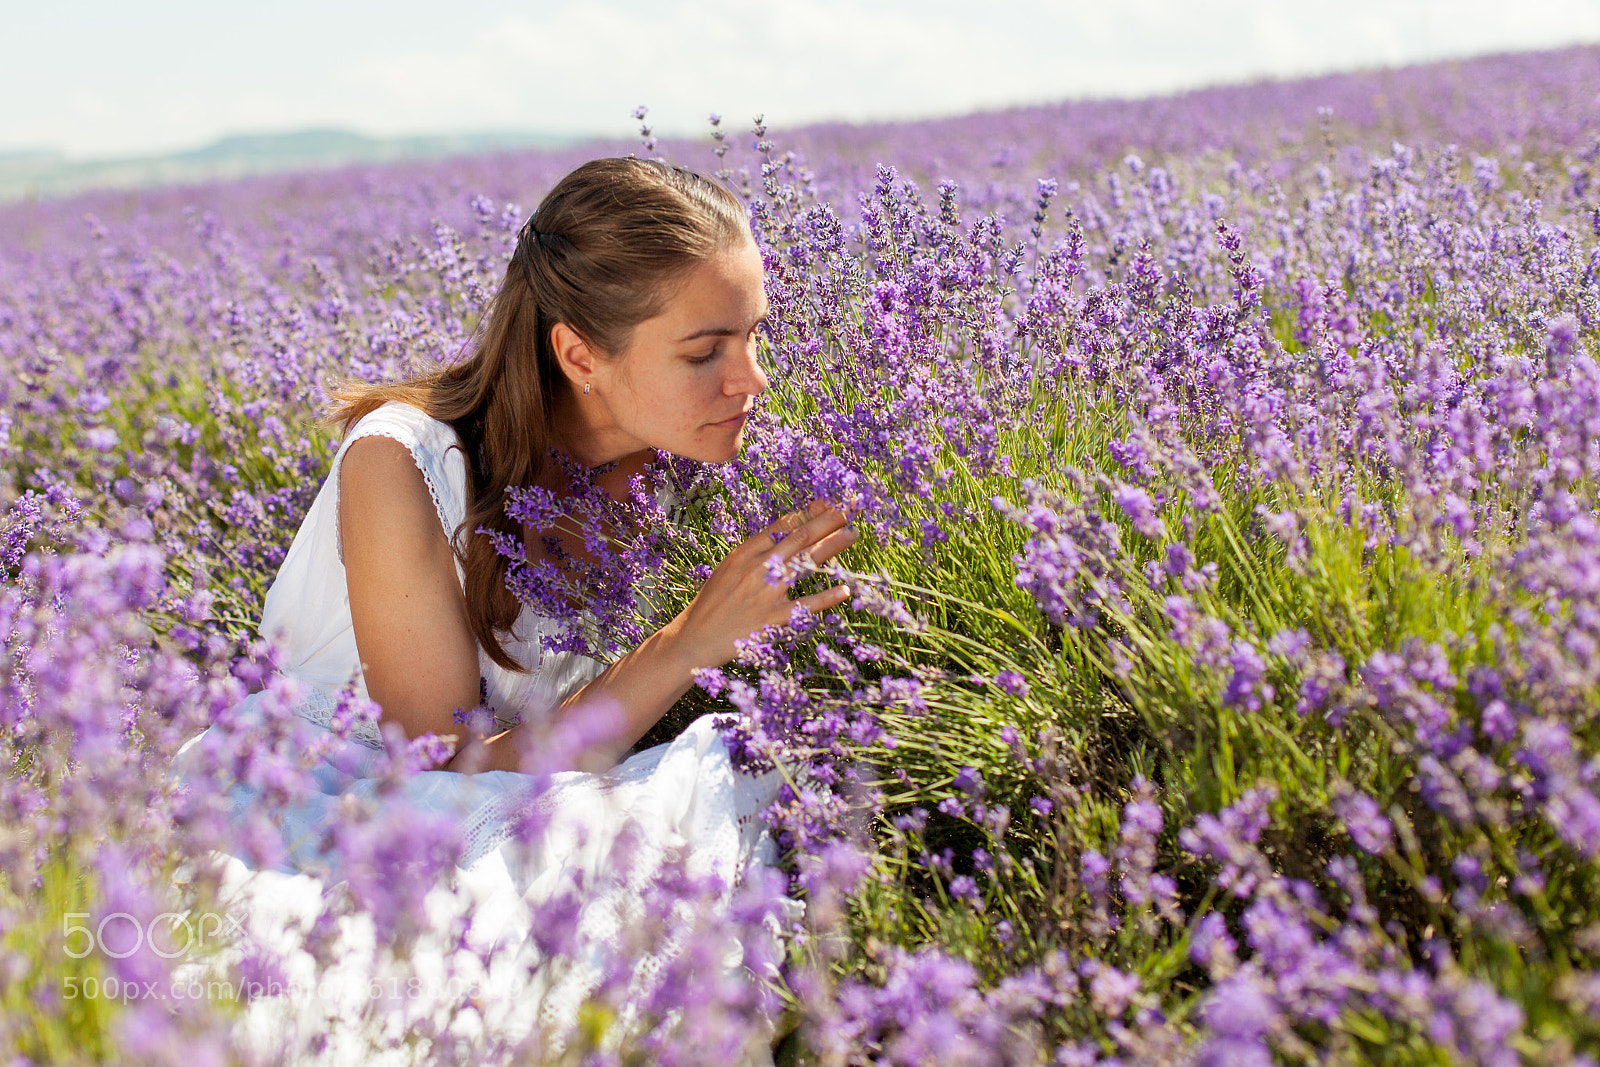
column 48, row 173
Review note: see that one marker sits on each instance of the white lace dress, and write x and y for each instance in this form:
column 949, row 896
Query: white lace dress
column 683, row 799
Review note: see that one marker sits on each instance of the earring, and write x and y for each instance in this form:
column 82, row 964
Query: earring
column 585, row 388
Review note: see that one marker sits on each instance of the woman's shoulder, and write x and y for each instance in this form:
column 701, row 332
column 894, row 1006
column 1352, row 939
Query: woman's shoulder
column 406, row 423
column 435, row 449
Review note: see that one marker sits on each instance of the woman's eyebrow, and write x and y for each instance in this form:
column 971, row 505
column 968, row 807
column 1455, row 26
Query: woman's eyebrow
column 711, row 331
column 721, row 331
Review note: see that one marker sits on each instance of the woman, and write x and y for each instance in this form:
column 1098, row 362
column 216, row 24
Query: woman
column 626, row 323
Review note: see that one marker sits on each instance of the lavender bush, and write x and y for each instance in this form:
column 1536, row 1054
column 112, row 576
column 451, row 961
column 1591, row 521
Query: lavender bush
column 1218, row 684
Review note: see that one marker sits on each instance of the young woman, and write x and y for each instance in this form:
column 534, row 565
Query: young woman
column 626, row 323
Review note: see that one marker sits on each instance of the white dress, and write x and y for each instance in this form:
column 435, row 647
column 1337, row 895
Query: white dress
column 680, row 804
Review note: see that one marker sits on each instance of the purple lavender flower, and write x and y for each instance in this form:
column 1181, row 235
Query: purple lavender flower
column 1211, row 946
column 1246, row 686
column 1239, row 1017
column 1069, row 561
column 1563, row 336
column 1140, row 509
column 1229, row 839
column 1012, row 682
column 1365, row 822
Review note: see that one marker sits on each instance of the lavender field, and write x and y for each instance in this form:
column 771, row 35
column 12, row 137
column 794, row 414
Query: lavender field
column 1222, row 679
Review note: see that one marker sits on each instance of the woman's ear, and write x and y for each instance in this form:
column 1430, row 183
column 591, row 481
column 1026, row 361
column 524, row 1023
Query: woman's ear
column 573, row 355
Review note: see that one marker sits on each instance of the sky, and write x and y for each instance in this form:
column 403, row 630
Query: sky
column 105, row 78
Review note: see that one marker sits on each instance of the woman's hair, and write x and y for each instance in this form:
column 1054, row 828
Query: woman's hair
column 602, row 253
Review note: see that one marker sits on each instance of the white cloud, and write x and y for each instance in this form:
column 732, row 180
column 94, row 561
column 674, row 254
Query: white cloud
column 582, row 65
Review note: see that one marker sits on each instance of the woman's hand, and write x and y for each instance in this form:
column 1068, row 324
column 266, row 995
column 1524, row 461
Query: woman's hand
column 740, row 598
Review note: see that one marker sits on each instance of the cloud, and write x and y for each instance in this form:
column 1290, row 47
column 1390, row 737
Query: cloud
column 587, row 65
column 583, row 66
column 155, row 78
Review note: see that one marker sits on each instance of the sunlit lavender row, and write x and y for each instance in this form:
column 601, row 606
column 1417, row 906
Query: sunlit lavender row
column 1219, row 682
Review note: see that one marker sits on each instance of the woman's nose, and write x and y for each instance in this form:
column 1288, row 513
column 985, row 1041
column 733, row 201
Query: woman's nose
column 748, row 378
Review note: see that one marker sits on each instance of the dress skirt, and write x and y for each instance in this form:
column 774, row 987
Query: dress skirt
column 561, row 900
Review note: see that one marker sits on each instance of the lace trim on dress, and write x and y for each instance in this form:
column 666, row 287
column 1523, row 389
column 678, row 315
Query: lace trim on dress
column 418, row 457
column 319, row 706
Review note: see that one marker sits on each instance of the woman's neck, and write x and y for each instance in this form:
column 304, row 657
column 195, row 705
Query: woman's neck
column 593, row 443
column 583, row 432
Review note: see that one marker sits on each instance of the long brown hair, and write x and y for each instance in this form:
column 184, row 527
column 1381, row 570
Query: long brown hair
column 600, row 254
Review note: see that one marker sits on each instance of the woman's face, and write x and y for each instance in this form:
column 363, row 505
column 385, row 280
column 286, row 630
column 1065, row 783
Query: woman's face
column 688, row 376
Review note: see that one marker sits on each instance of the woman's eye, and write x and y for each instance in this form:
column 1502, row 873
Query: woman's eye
column 697, row 360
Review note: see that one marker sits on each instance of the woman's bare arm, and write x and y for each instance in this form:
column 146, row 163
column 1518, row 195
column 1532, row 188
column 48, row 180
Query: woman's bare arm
column 417, row 651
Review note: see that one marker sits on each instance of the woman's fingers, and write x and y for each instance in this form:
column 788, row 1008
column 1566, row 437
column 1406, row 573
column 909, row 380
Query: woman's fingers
column 819, row 531
column 797, row 531
column 789, row 522
column 828, row 598
column 806, row 536
column 834, row 543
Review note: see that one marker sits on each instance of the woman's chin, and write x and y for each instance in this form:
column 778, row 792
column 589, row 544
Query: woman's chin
column 709, row 453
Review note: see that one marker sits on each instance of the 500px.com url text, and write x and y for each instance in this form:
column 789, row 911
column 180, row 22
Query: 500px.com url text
column 376, row 988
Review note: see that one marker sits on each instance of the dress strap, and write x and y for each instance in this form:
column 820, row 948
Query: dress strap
column 434, row 448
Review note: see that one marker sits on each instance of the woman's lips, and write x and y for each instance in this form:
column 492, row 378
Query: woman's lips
column 733, row 423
